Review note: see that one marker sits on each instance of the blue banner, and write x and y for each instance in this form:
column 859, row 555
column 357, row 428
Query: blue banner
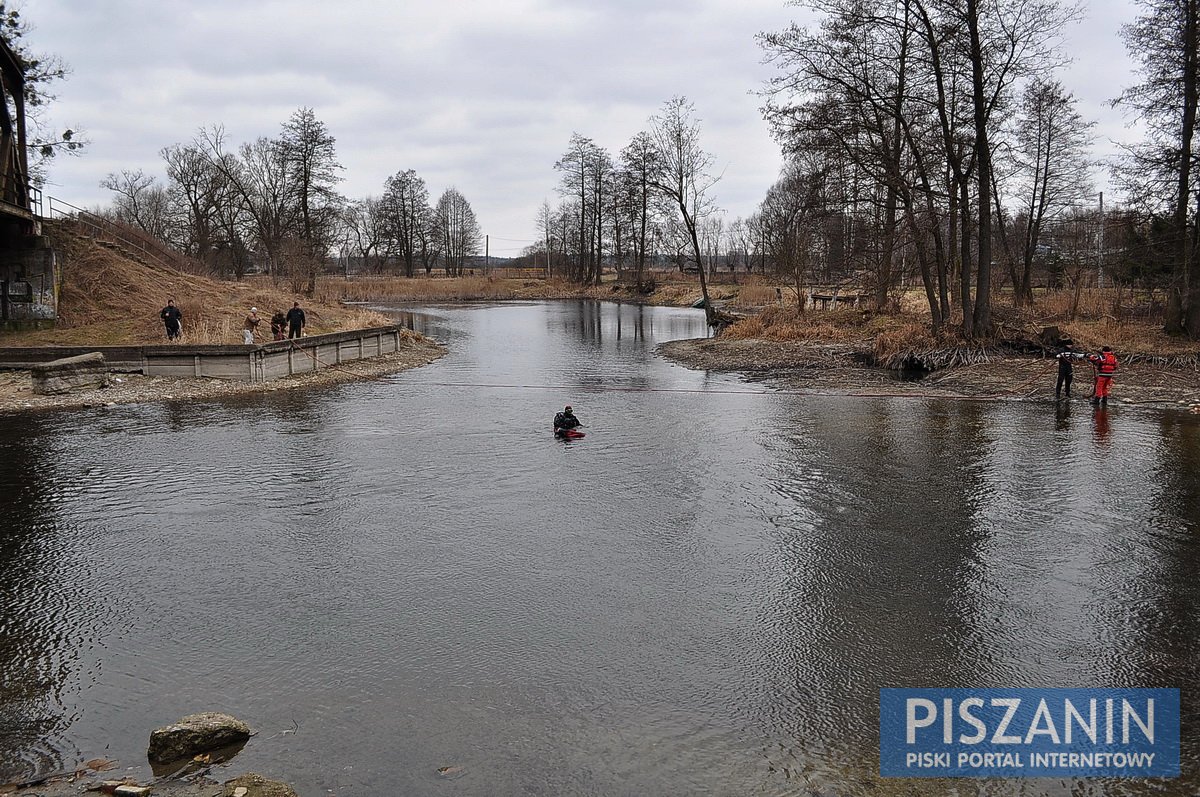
column 1074, row 733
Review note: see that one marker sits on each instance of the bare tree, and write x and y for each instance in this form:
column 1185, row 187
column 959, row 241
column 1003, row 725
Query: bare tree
column 791, row 218
column 682, row 176
column 458, row 230
column 911, row 93
column 140, row 202
column 198, row 191
column 308, row 151
column 260, row 182
column 430, row 239
column 366, row 230
column 546, row 224
column 1048, row 174
column 639, row 162
column 406, row 209
column 587, row 171
column 1159, row 173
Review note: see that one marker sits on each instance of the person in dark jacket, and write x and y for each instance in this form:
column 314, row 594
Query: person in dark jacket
column 565, row 420
column 278, row 325
column 172, row 318
column 295, row 320
column 1066, row 370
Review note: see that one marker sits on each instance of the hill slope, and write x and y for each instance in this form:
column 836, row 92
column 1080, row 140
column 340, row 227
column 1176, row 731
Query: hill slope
column 109, row 299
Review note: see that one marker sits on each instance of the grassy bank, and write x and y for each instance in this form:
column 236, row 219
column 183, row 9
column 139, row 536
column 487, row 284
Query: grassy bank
column 107, row 299
column 902, row 337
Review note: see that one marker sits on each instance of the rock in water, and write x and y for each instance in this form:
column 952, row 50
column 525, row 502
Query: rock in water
column 252, row 785
column 196, row 733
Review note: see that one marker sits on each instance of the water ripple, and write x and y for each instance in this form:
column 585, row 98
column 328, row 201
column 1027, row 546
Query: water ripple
column 704, row 595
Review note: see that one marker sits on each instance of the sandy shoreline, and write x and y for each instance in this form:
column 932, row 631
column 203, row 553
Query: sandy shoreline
column 17, row 396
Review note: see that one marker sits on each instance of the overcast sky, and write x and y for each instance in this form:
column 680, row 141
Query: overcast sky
column 482, row 95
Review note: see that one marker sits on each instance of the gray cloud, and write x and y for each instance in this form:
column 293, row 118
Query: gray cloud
column 480, row 95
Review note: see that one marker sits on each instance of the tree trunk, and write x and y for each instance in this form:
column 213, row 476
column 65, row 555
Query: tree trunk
column 983, row 162
column 964, row 255
column 1184, row 257
column 710, row 313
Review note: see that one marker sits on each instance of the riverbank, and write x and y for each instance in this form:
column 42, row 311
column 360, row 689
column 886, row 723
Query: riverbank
column 71, row 786
column 89, row 781
column 16, row 391
column 845, row 369
column 437, row 290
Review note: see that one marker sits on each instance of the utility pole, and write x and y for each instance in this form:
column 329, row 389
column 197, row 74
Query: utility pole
column 487, row 257
column 1100, row 252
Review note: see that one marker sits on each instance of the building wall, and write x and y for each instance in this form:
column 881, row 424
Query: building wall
column 30, row 271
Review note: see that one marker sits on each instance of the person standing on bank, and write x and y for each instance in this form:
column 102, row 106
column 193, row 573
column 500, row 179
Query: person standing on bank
column 1066, row 370
column 278, row 325
column 250, row 326
column 295, row 319
column 172, row 318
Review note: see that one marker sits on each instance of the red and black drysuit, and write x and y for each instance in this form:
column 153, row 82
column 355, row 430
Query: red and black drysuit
column 1105, row 364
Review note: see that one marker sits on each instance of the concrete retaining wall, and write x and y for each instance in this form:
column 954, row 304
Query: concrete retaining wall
column 239, row 363
column 29, row 286
column 83, row 372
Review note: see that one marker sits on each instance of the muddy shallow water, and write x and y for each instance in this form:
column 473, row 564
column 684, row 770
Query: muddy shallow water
column 704, row 595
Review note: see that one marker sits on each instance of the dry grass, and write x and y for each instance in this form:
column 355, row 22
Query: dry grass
column 107, row 299
column 755, row 294
column 421, row 289
column 785, row 323
column 1097, row 303
column 1130, row 323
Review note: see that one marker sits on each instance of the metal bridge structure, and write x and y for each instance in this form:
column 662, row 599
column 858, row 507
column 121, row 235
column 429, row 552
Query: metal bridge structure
column 28, row 270
column 16, row 194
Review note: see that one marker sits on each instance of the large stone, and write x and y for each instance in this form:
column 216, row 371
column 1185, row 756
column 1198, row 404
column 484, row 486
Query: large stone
column 194, row 734
column 84, row 372
column 252, row 785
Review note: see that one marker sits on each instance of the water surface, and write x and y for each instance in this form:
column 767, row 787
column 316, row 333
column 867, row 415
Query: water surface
column 703, row 596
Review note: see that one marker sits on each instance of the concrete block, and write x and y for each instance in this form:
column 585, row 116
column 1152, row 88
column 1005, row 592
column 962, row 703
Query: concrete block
column 82, row 372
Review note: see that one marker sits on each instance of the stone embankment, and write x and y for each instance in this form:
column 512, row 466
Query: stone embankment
column 17, row 395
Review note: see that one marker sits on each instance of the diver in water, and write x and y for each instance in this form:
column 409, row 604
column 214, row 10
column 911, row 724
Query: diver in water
column 565, row 420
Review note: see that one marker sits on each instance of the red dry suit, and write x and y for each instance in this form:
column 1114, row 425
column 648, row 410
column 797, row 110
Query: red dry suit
column 1105, row 364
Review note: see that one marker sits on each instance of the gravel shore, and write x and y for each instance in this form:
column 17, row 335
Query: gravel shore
column 840, row 369
column 17, row 396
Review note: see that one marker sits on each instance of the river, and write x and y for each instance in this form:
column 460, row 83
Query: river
column 704, row 595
